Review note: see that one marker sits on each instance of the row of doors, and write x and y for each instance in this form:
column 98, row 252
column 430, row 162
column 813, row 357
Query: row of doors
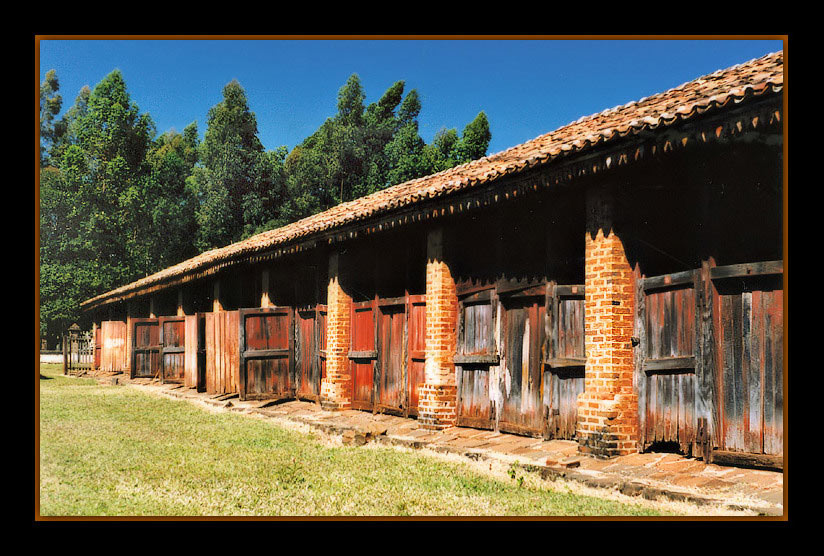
column 709, row 355
column 520, row 359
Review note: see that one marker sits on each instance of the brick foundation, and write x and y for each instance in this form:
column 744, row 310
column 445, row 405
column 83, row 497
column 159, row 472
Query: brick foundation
column 437, row 408
column 336, row 387
column 608, row 407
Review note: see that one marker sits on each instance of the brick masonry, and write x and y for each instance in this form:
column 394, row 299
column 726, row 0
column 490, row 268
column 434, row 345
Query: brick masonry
column 336, row 387
column 608, row 407
column 438, row 394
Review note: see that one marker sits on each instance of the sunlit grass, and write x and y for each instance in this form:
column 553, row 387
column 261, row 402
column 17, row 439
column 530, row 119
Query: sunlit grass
column 112, row 450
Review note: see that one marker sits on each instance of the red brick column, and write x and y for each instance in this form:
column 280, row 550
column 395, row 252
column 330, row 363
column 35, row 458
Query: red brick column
column 608, row 407
column 437, row 407
column 336, row 387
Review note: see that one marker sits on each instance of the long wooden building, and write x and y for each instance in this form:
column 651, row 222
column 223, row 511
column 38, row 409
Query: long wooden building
column 618, row 281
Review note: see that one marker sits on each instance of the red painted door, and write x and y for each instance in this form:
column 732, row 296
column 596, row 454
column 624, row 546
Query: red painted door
column 363, row 354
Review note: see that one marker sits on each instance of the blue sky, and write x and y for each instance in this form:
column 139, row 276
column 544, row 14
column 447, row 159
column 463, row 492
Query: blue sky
column 526, row 87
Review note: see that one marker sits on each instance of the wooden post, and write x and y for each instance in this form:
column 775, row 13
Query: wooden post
column 264, row 289
column 152, row 314
column 65, row 357
column 217, row 306
column 180, row 311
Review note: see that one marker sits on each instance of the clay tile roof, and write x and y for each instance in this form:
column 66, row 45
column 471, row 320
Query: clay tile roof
column 665, row 109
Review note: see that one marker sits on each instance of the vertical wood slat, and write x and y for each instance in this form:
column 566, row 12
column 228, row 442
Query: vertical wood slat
column 113, row 346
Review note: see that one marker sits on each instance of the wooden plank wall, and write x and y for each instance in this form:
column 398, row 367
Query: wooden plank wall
column 113, row 350
column 222, row 352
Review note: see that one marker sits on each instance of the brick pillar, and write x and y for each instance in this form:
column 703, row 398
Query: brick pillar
column 608, row 407
column 336, row 388
column 437, row 408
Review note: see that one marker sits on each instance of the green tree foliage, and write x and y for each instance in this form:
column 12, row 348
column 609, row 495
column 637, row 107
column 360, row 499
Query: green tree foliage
column 239, row 186
column 114, row 205
column 363, row 150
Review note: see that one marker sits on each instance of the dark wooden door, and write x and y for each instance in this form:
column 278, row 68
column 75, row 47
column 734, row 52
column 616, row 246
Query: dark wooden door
column 172, row 349
column 145, row 348
column 476, row 354
column 521, row 381
column 565, row 359
column 391, row 392
column 97, row 347
column 669, row 346
column 363, row 354
column 307, row 359
column 416, row 348
column 266, row 353
column 748, row 311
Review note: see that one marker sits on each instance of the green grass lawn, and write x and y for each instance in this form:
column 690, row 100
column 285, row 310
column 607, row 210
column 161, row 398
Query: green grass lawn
column 113, row 450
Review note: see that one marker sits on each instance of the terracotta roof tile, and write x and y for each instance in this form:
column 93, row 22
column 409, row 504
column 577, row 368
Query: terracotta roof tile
column 715, row 90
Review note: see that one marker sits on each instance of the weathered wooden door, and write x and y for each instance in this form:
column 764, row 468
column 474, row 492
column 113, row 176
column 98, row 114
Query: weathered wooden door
column 668, row 345
column 145, row 348
column 564, row 358
column 390, row 391
column 267, row 350
column 521, row 378
column 222, row 332
column 476, row 354
column 416, row 346
column 748, row 315
column 363, row 354
column 307, row 358
column 172, row 349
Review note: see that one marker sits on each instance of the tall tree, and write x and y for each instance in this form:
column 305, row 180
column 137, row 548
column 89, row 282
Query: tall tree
column 50, row 103
column 239, row 186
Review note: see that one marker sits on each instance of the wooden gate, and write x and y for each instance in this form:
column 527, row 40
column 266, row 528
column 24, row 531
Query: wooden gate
column 363, row 355
column 391, row 384
column 308, row 365
column 748, row 322
column 476, row 354
column 172, row 349
column 222, row 352
column 565, row 359
column 145, row 348
column 267, row 348
column 416, row 346
column 668, row 345
column 523, row 315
